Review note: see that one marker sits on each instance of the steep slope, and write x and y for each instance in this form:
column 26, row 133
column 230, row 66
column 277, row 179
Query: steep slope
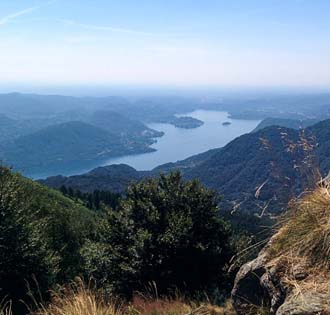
column 291, row 274
column 41, row 234
column 321, row 133
column 262, row 171
column 258, row 170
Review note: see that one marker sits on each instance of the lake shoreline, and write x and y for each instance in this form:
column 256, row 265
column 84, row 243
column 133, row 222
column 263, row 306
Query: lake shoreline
column 175, row 145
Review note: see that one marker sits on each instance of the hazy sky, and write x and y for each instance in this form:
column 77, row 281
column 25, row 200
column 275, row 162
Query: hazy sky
column 166, row 42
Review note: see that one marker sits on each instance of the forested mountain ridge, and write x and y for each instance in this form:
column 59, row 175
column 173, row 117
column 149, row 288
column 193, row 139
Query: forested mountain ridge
column 70, row 140
column 257, row 172
column 66, row 146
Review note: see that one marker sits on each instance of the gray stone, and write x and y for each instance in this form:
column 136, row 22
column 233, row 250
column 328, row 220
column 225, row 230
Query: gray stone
column 309, row 303
column 259, row 289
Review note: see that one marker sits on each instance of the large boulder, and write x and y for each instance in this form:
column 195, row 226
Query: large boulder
column 257, row 288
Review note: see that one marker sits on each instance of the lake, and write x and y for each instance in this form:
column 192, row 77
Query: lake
column 178, row 144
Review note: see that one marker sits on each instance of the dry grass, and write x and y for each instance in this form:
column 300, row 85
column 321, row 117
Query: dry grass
column 81, row 299
column 307, row 230
column 5, row 307
column 300, row 251
column 179, row 307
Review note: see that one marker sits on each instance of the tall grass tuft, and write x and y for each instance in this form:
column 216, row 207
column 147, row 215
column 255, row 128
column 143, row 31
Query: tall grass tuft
column 81, row 299
column 307, row 231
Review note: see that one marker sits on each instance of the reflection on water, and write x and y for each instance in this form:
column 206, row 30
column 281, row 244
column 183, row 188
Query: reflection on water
column 178, row 144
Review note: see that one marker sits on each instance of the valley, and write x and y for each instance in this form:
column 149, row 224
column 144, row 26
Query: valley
column 178, row 144
column 136, row 200
column 164, row 157
column 256, row 173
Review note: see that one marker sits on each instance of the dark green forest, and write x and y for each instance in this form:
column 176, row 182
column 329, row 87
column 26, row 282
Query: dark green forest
column 162, row 230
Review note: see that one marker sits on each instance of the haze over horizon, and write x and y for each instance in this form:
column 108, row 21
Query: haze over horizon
column 178, row 43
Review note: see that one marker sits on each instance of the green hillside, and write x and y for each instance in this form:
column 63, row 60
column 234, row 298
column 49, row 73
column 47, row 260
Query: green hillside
column 121, row 125
column 66, row 146
column 164, row 230
column 41, row 233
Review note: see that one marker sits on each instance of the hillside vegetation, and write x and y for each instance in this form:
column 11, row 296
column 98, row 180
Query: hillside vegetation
column 257, row 173
column 165, row 237
column 41, row 233
column 164, row 231
column 68, row 146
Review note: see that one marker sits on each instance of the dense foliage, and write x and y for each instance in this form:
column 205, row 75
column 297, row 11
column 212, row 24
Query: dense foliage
column 95, row 200
column 41, row 233
column 164, row 230
column 167, row 231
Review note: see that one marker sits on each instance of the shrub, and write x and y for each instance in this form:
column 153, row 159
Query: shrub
column 167, row 231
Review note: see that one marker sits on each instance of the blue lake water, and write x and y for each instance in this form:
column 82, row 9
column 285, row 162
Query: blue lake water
column 178, row 144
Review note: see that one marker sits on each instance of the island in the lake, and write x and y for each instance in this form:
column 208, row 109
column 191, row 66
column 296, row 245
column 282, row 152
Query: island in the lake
column 226, row 123
column 185, row 122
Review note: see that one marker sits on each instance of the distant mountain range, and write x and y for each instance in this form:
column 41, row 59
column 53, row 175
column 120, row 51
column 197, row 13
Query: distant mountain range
column 121, row 125
column 69, row 146
column 41, row 133
column 257, row 172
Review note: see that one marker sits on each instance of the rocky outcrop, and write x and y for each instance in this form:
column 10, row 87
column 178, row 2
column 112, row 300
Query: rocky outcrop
column 291, row 275
column 278, row 287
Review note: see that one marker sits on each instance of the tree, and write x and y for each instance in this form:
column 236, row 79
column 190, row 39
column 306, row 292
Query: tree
column 23, row 253
column 41, row 233
column 168, row 231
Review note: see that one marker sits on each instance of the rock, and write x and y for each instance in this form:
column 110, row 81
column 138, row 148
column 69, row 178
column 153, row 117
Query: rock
column 256, row 288
column 310, row 303
column 261, row 288
column 299, row 272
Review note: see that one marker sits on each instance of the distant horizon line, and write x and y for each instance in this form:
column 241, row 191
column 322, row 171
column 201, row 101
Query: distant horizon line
column 110, row 89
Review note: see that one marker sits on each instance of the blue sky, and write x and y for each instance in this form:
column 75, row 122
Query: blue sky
column 166, row 42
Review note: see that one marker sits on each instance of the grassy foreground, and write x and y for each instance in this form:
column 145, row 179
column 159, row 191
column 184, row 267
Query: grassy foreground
column 81, row 299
